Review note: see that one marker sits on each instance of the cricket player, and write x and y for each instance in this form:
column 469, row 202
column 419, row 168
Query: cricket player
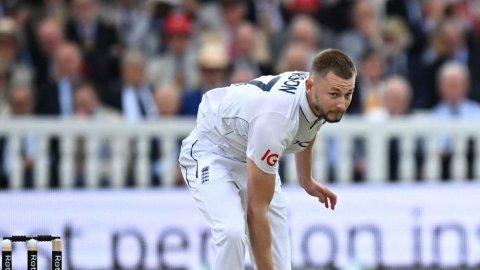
column 230, row 160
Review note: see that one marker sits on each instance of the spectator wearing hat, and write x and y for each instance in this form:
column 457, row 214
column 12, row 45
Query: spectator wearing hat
column 178, row 64
column 293, row 8
column 213, row 64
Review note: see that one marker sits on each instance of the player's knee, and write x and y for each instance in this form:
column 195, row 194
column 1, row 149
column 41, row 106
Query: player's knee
column 234, row 233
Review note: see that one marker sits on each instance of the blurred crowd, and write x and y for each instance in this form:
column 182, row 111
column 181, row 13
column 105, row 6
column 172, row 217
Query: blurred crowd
column 145, row 59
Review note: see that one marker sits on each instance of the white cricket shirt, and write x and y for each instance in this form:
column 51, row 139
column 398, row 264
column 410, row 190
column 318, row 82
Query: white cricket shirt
column 262, row 119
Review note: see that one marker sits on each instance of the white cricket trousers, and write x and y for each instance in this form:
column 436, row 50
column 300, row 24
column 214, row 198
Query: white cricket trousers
column 219, row 187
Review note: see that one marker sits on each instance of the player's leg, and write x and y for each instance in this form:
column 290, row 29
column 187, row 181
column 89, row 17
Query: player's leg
column 281, row 249
column 220, row 204
column 218, row 199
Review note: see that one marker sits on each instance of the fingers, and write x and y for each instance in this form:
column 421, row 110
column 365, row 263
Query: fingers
column 332, row 198
column 323, row 199
column 325, row 196
column 328, row 198
column 333, row 201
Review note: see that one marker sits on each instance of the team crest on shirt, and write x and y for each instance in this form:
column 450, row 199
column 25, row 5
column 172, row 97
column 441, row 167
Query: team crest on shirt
column 205, row 174
column 270, row 158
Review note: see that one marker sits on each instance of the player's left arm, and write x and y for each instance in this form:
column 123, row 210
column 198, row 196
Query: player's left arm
column 268, row 136
column 260, row 190
column 303, row 162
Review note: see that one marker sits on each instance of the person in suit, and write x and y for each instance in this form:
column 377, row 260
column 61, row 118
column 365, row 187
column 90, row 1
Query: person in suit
column 132, row 95
column 49, row 37
column 453, row 85
column 99, row 41
column 134, row 98
column 55, row 97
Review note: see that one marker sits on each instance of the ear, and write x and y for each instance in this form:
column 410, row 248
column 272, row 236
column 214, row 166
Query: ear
column 309, row 84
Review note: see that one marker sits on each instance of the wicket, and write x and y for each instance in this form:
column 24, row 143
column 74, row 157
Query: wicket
column 32, row 257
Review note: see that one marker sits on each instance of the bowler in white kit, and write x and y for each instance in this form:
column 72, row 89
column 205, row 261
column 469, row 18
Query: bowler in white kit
column 230, row 160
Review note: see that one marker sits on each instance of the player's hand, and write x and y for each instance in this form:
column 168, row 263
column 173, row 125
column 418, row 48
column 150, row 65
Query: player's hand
column 324, row 195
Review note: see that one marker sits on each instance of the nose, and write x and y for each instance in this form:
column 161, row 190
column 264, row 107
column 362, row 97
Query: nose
column 342, row 104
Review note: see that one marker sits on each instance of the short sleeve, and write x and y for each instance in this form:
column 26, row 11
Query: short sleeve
column 269, row 136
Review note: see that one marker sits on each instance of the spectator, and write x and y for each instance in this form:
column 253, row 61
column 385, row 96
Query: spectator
column 134, row 98
column 295, row 57
column 167, row 99
column 55, row 10
column 20, row 104
column 127, row 16
column 148, row 36
column 364, row 33
column 213, row 63
column 396, row 99
column 453, row 86
column 19, row 13
column 88, row 106
column 369, row 82
column 296, row 7
column 269, row 16
column 250, row 51
column 240, row 75
column 226, row 19
column 55, row 97
column 177, row 64
column 303, row 30
column 99, row 42
column 420, row 16
column 366, row 100
column 10, row 67
column 49, row 38
column 396, row 96
column 448, row 43
column 396, row 40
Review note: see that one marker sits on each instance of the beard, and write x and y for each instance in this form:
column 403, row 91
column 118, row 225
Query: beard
column 333, row 119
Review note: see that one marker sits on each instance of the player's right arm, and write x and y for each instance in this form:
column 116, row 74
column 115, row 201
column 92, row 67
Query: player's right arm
column 303, row 162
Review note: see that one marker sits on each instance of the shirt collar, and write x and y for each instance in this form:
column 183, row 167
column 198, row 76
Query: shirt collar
column 307, row 111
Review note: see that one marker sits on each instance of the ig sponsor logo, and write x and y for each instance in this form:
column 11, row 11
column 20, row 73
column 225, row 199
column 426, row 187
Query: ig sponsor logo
column 270, row 158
